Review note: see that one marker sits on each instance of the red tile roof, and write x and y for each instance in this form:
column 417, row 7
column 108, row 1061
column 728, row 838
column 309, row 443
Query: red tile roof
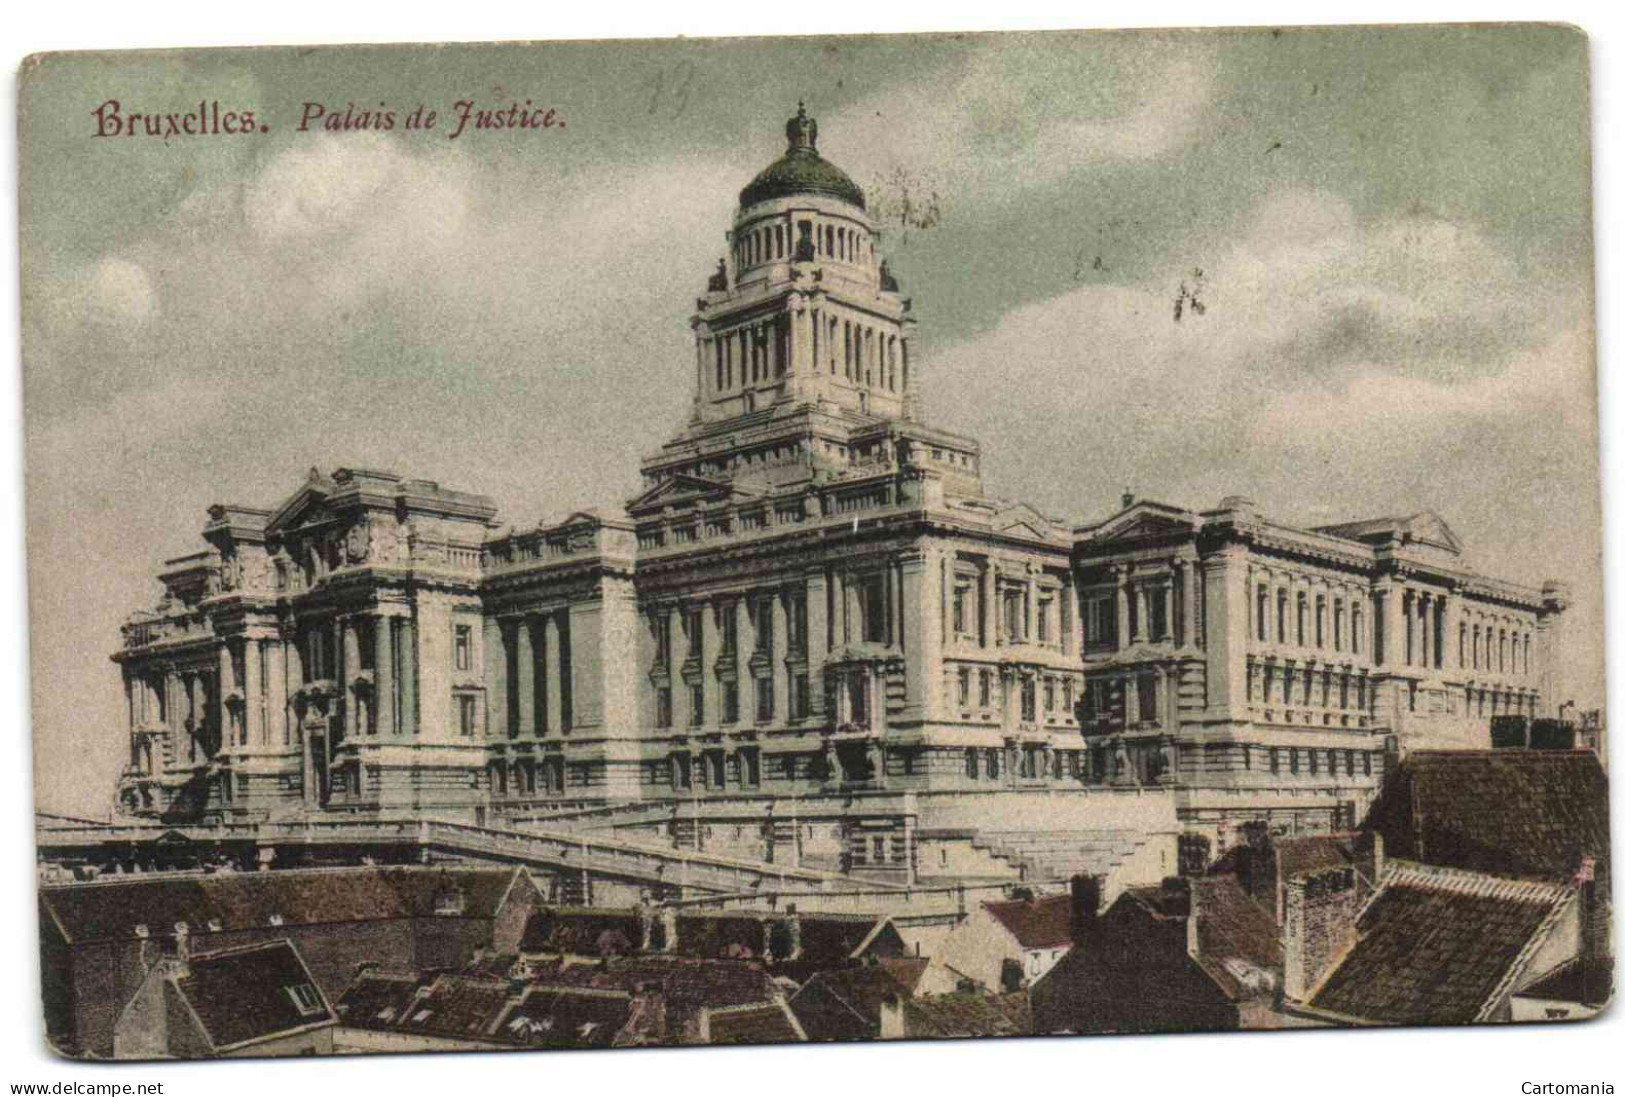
column 1436, row 947
column 1036, row 923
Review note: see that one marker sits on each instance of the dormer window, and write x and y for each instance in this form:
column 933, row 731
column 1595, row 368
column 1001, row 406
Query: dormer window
column 305, row 999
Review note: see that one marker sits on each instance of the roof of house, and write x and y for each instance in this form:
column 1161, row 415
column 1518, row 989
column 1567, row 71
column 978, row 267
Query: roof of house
column 1312, row 853
column 906, row 971
column 582, row 931
column 1238, row 942
column 554, row 1017
column 1044, row 922
column 1438, row 947
column 861, row 990
column 770, row 1023
column 958, row 1015
column 246, row 995
column 1514, row 813
column 129, row 907
column 1589, row 983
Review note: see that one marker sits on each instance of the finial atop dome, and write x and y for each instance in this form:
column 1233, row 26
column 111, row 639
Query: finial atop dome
column 802, row 131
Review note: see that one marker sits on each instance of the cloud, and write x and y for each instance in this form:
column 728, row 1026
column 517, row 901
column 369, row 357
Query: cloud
column 120, row 290
column 1014, row 119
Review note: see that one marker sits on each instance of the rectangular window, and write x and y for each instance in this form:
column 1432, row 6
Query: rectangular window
column 1147, row 685
column 1368, row 763
column 961, row 593
column 1044, row 607
column 305, row 999
column 801, row 699
column 1102, row 620
column 682, row 771
column 1029, row 699
column 1159, row 613
column 1049, row 695
column 972, row 766
column 465, row 710
column 1275, row 759
column 696, row 704
column 663, row 706
column 662, row 640
column 1012, row 616
column 1292, row 759
column 797, row 615
column 730, row 702
column 964, row 686
column 764, row 627
column 984, row 689
column 764, row 700
column 464, row 642
column 872, row 606
column 728, row 621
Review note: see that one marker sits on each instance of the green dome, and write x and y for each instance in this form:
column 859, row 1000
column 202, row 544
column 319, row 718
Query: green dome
column 801, row 170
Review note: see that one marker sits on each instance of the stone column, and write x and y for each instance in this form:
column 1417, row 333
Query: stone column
column 1225, row 581
column 227, row 685
column 496, row 679
column 817, row 643
column 779, row 607
column 194, row 710
column 745, row 615
column 408, row 648
column 383, row 674
column 253, row 695
column 1142, row 612
column 1183, row 577
column 994, row 599
column 552, row 646
column 1131, row 700
column 524, row 635
column 1122, row 608
column 276, row 688
column 349, row 662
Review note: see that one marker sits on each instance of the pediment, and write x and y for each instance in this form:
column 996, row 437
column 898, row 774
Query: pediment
column 1142, row 523
column 1023, row 521
column 684, row 489
column 306, row 506
column 1429, row 529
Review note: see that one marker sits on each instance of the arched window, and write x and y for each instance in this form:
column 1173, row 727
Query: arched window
column 840, row 244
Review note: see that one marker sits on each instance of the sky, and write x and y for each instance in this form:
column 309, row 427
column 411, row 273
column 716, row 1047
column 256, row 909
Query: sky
column 1389, row 231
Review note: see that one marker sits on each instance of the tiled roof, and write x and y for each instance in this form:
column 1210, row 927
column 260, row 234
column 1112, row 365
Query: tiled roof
column 957, row 1015
column 557, row 1017
column 1515, row 813
column 582, row 931
column 1589, row 984
column 906, row 971
column 1036, row 923
column 234, row 901
column 247, row 994
column 1436, row 947
column 1312, row 853
column 721, row 936
column 1238, row 942
column 377, row 1000
column 772, row 1023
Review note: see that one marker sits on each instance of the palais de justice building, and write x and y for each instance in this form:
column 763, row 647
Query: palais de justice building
column 813, row 609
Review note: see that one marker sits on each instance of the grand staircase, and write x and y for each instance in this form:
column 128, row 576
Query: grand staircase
column 1047, row 856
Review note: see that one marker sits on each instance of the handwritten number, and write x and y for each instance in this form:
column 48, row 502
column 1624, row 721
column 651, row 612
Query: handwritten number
column 672, row 94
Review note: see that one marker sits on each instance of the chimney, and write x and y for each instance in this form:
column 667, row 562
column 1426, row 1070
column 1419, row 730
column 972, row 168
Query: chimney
column 1086, row 898
column 793, row 922
column 1294, row 975
column 892, row 1025
column 1193, row 921
column 183, row 950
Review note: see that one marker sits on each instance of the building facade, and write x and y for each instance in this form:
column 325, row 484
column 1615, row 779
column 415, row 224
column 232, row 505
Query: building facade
column 813, row 629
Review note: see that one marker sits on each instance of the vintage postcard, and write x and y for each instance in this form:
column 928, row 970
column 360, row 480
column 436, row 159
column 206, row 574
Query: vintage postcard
column 682, row 542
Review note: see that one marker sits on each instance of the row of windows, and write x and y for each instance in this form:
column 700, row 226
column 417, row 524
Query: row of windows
column 769, row 243
column 1279, row 684
column 1318, row 625
column 758, row 352
column 1054, row 689
column 1015, row 604
column 870, row 357
column 1489, row 650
